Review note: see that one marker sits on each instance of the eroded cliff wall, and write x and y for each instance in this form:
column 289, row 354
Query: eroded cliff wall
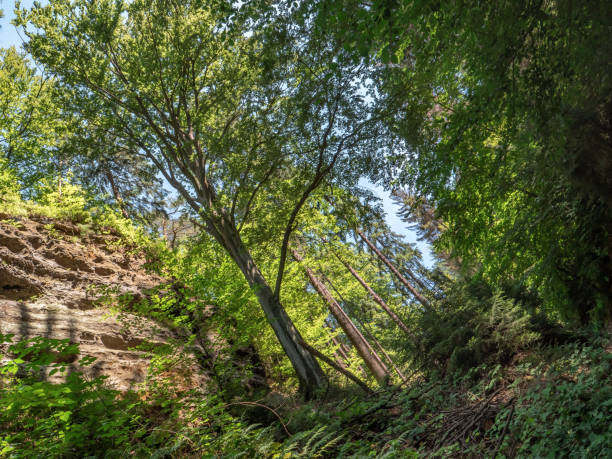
column 51, row 275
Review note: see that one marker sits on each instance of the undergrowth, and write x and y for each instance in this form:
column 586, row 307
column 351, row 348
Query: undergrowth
column 555, row 402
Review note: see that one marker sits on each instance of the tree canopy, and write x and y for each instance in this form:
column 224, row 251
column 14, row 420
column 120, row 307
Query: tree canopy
column 233, row 145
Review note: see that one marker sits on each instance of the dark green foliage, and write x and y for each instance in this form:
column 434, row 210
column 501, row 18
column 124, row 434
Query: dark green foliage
column 491, row 123
column 505, row 111
column 119, row 178
column 471, row 326
column 80, row 417
column 569, row 410
column 559, row 406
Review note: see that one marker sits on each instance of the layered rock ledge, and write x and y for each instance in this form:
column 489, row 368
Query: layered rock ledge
column 51, row 275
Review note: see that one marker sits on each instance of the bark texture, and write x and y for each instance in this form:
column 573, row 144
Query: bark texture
column 307, row 368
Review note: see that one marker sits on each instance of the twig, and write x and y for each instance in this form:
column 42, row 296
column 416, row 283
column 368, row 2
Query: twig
column 480, row 412
column 475, row 419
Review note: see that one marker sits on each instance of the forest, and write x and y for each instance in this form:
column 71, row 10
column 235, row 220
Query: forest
column 220, row 170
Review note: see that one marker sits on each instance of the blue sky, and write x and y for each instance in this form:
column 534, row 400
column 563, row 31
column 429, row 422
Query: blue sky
column 10, row 36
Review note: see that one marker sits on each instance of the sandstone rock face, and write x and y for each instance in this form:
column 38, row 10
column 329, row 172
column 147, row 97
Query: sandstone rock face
column 50, row 278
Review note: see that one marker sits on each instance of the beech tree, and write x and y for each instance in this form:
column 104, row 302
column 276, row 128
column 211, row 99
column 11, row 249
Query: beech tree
column 226, row 118
column 31, row 124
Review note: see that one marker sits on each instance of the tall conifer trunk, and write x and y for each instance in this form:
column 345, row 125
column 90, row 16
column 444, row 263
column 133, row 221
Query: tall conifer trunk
column 420, row 298
column 365, row 350
column 376, row 297
column 384, row 352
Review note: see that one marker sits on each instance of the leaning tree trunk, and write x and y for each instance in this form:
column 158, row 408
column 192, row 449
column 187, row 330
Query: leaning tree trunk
column 385, row 353
column 223, row 229
column 421, row 299
column 340, row 359
column 343, row 350
column 308, row 370
column 365, row 350
column 376, row 297
column 339, row 354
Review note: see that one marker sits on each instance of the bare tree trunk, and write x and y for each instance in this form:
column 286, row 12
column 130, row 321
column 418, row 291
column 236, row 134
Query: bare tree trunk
column 376, row 297
column 339, row 354
column 365, row 350
column 416, row 279
column 343, row 350
column 341, row 370
column 388, row 357
column 308, row 370
column 421, row 299
column 363, row 325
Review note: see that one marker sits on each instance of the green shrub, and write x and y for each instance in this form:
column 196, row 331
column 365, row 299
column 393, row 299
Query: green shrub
column 470, row 327
column 9, row 189
column 81, row 417
column 70, row 419
column 69, row 204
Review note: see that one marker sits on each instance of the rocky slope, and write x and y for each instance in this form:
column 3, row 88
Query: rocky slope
column 51, row 275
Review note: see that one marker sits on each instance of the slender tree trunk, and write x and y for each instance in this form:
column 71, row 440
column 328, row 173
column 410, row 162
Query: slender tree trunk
column 116, row 194
column 308, row 370
column 339, row 354
column 420, row 298
column 365, row 350
column 376, row 297
column 60, row 180
column 416, row 279
column 343, row 350
column 388, row 357
column 369, row 333
column 371, row 336
column 382, row 349
column 337, row 367
column 164, row 222
column 340, row 360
